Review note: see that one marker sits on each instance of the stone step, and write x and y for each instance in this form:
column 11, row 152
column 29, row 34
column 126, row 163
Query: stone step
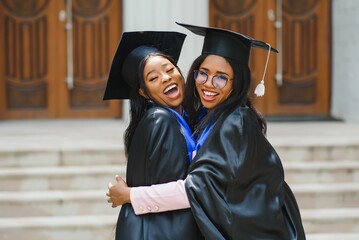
column 342, row 220
column 88, row 155
column 55, row 203
column 330, row 195
column 85, row 177
column 333, row 236
column 89, row 227
column 70, row 202
column 61, row 157
column 59, row 178
column 340, row 224
column 321, row 171
column 291, row 152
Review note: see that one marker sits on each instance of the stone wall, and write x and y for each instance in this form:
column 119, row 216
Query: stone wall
column 345, row 60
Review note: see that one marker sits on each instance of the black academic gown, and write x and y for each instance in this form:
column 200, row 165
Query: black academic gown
column 158, row 154
column 236, row 185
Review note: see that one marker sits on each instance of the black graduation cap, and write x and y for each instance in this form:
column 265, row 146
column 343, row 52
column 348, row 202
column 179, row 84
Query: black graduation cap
column 132, row 49
column 227, row 43
column 231, row 45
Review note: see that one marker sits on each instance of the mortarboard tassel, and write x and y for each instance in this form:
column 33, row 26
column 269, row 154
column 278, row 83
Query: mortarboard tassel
column 260, row 89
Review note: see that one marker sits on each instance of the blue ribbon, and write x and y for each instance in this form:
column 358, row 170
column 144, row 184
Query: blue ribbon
column 203, row 137
column 187, row 133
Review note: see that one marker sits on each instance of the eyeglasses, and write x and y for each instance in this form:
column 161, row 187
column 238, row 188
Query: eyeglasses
column 218, row 81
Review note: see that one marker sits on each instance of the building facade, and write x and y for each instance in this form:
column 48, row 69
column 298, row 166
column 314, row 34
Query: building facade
column 56, row 66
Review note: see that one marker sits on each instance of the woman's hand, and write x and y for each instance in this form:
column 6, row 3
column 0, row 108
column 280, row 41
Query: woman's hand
column 118, row 193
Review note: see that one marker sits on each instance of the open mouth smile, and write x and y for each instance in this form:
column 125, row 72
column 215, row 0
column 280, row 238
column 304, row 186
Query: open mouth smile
column 208, row 95
column 171, row 91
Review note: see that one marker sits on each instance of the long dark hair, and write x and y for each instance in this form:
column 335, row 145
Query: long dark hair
column 139, row 104
column 238, row 96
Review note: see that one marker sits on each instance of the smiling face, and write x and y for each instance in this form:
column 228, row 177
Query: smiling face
column 163, row 81
column 210, row 96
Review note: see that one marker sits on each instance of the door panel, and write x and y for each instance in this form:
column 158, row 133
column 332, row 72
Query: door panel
column 304, row 90
column 26, row 78
column 33, row 39
column 95, row 35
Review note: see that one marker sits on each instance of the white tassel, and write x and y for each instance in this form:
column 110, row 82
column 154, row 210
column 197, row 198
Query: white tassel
column 260, row 89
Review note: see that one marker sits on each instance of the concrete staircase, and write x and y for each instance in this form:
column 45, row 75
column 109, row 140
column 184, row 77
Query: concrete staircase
column 54, row 176
column 58, row 201
column 323, row 171
column 55, row 189
column 328, row 198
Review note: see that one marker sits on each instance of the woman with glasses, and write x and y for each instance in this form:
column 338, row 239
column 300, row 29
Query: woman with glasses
column 235, row 186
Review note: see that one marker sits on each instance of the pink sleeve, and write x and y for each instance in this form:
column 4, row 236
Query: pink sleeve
column 159, row 198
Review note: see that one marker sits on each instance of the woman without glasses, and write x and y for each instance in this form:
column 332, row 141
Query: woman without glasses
column 158, row 142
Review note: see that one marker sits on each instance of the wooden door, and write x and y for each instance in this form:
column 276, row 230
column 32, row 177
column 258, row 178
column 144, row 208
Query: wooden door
column 27, row 75
column 95, row 35
column 34, row 56
column 305, row 53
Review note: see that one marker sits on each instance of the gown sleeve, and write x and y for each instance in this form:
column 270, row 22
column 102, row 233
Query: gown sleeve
column 159, row 198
